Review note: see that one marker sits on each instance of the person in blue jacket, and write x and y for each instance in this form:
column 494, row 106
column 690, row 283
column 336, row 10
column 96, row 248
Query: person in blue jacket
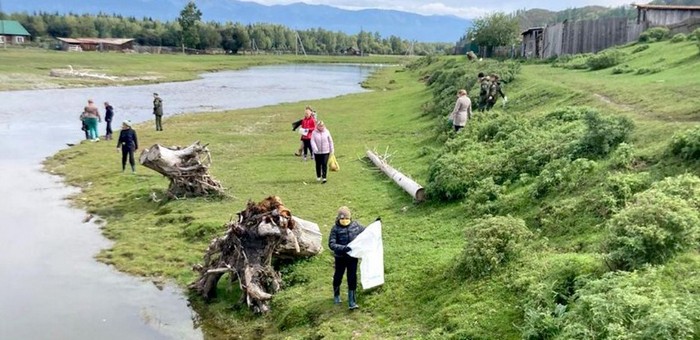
column 129, row 144
column 343, row 232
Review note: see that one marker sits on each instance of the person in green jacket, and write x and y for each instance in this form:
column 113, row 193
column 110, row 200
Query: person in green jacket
column 158, row 111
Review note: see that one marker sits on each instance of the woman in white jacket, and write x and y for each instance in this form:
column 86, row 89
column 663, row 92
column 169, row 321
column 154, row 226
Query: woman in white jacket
column 462, row 111
column 322, row 147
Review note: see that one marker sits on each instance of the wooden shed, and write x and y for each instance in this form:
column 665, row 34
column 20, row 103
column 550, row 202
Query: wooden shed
column 96, row 44
column 532, row 42
column 664, row 15
column 12, row 32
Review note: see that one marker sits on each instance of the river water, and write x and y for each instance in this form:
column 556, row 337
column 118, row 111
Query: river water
column 50, row 285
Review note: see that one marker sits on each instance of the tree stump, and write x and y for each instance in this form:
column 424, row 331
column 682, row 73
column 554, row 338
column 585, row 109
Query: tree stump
column 187, row 169
column 245, row 252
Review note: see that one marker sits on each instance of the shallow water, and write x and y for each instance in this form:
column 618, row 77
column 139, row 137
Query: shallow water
column 50, row 285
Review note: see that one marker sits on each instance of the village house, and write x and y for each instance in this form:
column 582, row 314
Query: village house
column 679, row 19
column 12, row 32
column 96, row 44
column 532, row 42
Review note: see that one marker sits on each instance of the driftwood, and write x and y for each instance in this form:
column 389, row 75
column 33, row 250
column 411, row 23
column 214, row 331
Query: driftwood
column 70, row 72
column 406, row 183
column 261, row 232
column 187, row 169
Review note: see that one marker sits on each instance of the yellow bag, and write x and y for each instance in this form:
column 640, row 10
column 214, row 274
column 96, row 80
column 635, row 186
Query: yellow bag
column 333, row 163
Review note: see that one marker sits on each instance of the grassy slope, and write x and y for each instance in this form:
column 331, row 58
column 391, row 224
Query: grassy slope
column 252, row 157
column 28, row 68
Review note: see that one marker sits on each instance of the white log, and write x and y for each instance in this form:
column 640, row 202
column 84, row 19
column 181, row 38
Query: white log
column 406, row 183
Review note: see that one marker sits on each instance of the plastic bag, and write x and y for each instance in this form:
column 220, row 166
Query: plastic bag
column 333, row 163
column 369, row 248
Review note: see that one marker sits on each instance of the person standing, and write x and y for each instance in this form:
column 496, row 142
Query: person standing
column 343, row 232
column 494, row 91
column 322, row 147
column 484, row 89
column 308, row 124
column 91, row 117
column 109, row 115
column 129, row 144
column 462, row 111
column 297, row 124
column 158, row 111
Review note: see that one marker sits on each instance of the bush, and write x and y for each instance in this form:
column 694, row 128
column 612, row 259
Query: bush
column 623, row 157
column 686, row 144
column 624, row 186
column 605, row 59
column 695, row 35
column 629, row 306
column 562, row 175
column 622, row 69
column 640, row 48
column 649, row 70
column 654, row 34
column 652, row 229
column 680, row 37
column 685, row 187
column 603, row 134
column 492, row 242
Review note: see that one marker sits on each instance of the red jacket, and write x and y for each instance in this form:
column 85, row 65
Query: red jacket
column 310, row 125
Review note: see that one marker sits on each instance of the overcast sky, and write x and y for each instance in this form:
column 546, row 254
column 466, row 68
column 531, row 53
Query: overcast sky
column 462, row 8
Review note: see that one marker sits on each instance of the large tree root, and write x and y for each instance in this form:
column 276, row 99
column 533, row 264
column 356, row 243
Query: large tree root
column 245, row 252
column 187, row 169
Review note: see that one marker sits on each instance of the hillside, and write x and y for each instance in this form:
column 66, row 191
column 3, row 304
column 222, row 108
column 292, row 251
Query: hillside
column 538, row 211
column 299, row 16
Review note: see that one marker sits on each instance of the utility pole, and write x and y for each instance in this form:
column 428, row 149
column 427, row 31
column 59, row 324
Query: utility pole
column 2, row 27
column 299, row 43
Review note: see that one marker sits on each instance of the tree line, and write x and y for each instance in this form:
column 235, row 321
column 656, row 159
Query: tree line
column 190, row 32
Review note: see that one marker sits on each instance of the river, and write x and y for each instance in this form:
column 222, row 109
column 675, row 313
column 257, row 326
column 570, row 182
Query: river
column 50, row 285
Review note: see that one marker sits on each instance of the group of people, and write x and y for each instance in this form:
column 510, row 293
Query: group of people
column 489, row 91
column 128, row 140
column 316, row 142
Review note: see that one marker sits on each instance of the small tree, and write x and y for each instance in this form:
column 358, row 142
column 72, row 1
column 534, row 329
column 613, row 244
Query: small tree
column 497, row 29
column 189, row 18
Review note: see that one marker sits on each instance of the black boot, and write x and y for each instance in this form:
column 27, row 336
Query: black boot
column 351, row 300
column 336, row 295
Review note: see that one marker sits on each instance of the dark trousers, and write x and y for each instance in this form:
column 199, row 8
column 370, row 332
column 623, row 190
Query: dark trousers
column 159, row 125
column 109, row 128
column 307, row 146
column 85, row 129
column 127, row 151
column 321, row 164
column 341, row 264
column 457, row 128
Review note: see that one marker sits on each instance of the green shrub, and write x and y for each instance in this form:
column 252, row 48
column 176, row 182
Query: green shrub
column 640, row 48
column 685, row 187
column 623, row 157
column 651, row 229
column 680, row 37
column 491, row 243
column 655, row 34
column 603, row 134
column 648, row 70
column 483, row 197
column 695, row 35
column 686, row 144
column 624, row 186
column 622, row 69
column 629, row 306
column 605, row 59
column 562, row 175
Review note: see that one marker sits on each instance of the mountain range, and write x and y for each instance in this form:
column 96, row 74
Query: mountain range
column 301, row 16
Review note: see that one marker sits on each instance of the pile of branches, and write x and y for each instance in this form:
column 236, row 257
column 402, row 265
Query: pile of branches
column 245, row 252
column 187, row 168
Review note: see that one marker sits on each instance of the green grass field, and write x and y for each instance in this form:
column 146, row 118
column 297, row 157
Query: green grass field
column 422, row 298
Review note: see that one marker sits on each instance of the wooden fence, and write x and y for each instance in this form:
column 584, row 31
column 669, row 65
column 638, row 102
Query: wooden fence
column 588, row 36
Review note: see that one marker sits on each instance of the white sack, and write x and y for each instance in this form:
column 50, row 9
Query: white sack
column 369, row 248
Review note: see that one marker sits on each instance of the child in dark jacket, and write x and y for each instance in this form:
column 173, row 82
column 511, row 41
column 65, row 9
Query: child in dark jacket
column 129, row 144
column 343, row 232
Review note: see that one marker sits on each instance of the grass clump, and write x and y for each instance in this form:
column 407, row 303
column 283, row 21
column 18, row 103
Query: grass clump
column 655, row 34
column 605, row 59
column 680, row 37
column 640, row 48
column 686, row 144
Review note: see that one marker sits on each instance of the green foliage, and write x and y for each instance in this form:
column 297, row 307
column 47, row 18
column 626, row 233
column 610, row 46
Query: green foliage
column 189, row 20
column 623, row 186
column 605, row 59
column 483, row 197
column 654, row 227
column 497, row 29
column 623, row 157
column 573, row 62
column 640, row 48
column 648, row 70
column 695, row 35
column 684, row 187
column 622, row 69
column 629, row 306
column 603, row 134
column 654, row 34
column 491, row 243
column 562, row 175
column 680, row 37
column 686, row 144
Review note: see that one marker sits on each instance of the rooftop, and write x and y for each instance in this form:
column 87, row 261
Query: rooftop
column 11, row 27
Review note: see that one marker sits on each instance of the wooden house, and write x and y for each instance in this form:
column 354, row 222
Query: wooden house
column 532, row 44
column 665, row 15
column 96, row 44
column 12, row 32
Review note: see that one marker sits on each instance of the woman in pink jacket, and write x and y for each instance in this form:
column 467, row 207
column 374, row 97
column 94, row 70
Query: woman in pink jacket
column 322, row 146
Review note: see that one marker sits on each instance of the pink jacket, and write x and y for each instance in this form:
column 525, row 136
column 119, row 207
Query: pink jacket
column 321, row 142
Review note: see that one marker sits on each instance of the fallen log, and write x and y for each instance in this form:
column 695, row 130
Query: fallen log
column 261, row 231
column 407, row 184
column 187, row 168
